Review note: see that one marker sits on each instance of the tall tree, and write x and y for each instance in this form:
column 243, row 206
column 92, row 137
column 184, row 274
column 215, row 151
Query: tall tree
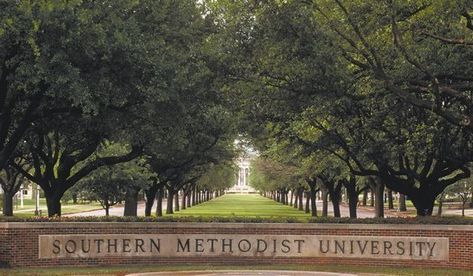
column 329, row 74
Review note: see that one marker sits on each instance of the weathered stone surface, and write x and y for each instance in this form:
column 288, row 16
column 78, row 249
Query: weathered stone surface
column 228, row 245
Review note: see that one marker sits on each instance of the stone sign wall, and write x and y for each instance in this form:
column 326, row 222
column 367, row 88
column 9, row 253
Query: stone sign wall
column 46, row 244
column 197, row 245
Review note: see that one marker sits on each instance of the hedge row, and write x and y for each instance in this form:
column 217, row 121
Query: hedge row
column 416, row 220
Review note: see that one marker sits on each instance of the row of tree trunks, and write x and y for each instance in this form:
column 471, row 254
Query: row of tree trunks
column 296, row 198
column 190, row 196
column 374, row 187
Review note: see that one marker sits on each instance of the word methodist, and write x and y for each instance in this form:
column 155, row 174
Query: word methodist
column 208, row 245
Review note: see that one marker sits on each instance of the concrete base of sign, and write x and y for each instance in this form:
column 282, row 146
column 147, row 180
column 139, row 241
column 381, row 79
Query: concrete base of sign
column 243, row 273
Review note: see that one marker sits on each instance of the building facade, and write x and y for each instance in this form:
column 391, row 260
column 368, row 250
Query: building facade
column 242, row 183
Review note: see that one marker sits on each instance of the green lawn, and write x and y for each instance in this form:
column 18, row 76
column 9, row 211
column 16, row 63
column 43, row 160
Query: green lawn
column 67, row 207
column 122, row 270
column 250, row 205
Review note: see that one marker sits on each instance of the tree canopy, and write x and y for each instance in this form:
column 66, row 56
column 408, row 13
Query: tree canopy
column 338, row 93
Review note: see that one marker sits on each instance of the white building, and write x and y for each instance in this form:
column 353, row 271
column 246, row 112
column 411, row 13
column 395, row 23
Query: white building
column 27, row 192
column 242, row 184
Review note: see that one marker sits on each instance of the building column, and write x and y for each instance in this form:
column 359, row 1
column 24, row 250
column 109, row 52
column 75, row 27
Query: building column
column 22, row 197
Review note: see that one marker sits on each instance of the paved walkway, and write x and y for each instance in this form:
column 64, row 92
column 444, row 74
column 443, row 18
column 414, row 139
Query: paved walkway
column 468, row 212
column 116, row 211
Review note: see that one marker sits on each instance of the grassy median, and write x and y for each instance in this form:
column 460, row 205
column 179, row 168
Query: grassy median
column 246, row 205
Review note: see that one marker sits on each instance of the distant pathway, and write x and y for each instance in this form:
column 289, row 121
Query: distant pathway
column 116, row 211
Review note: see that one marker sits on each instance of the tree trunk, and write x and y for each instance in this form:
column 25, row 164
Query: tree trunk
column 334, row 190
column 74, row 198
column 352, row 194
column 7, row 204
column 336, row 205
column 193, row 203
column 159, row 203
column 424, row 198
column 150, row 197
column 352, row 204
column 402, row 203
column 188, row 197
column 313, row 198
column 379, row 195
column 324, row 203
column 131, row 203
column 292, row 199
column 169, row 209
column 107, row 208
column 372, row 198
column 301, row 200
column 365, row 197
column 176, row 202
column 183, row 200
column 390, row 200
column 424, row 204
column 54, row 205
column 463, row 209
column 307, row 202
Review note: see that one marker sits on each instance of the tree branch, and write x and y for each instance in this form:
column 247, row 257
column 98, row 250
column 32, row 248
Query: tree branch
column 100, row 162
column 453, row 41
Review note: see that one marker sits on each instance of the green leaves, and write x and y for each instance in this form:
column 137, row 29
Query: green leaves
column 355, row 87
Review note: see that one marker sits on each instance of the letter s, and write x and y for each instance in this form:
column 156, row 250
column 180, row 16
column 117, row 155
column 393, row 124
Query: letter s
column 400, row 247
column 56, row 244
